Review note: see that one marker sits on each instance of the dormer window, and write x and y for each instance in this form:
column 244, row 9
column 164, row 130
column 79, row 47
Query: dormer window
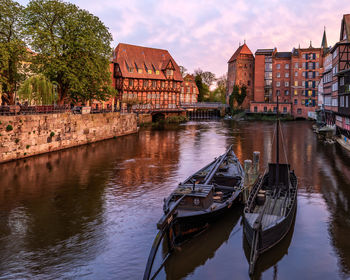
column 169, row 72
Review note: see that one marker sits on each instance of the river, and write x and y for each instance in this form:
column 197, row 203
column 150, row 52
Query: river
column 90, row 212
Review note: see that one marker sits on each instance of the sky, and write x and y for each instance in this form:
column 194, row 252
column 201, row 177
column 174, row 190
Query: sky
column 205, row 33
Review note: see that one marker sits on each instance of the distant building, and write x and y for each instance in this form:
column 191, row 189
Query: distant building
column 189, row 90
column 241, row 72
column 147, row 77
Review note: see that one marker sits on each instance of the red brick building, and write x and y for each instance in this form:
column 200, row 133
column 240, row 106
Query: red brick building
column 147, row 77
column 189, row 90
column 241, row 72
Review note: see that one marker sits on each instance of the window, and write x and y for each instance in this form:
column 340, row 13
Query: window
column 131, row 82
column 277, row 92
column 317, row 65
column 296, row 83
column 334, row 102
column 295, row 92
column 299, row 111
column 302, row 83
column 268, row 75
column 304, row 65
column 296, row 65
column 304, row 74
column 169, row 72
column 335, row 86
column 145, row 83
column 284, row 109
column 347, row 121
column 265, row 109
column 309, row 75
column 163, row 84
column 248, row 83
column 341, row 101
column 286, row 92
column 347, row 101
column 341, row 81
column 304, row 56
column 154, row 84
column 286, row 75
column 139, row 71
column 278, row 66
column 130, row 69
column 286, row 84
column 157, row 72
column 278, row 75
column 194, row 90
column 182, row 90
column 278, row 84
column 296, row 74
column 149, row 71
column 296, row 101
column 188, row 90
column 286, row 66
column 255, row 109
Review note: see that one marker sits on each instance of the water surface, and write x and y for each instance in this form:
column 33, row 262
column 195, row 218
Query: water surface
column 91, row 212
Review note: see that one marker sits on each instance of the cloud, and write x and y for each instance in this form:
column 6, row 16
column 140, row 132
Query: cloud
column 205, row 33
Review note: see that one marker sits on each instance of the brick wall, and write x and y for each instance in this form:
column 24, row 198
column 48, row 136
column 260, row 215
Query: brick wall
column 36, row 134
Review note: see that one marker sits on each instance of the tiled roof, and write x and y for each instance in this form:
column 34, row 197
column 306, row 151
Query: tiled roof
column 189, row 78
column 241, row 50
column 150, row 60
column 283, row 55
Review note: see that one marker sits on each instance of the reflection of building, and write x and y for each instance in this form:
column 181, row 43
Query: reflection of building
column 189, row 90
column 146, row 76
column 240, row 72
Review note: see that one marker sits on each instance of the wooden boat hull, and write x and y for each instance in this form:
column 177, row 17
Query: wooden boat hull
column 184, row 227
column 270, row 237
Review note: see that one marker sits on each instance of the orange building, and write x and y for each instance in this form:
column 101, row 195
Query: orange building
column 241, row 72
column 189, row 90
column 147, row 77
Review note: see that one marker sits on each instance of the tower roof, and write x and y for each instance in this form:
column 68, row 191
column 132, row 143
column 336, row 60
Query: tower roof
column 241, row 50
column 324, row 40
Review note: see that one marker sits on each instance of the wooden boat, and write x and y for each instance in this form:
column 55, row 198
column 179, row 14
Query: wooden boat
column 271, row 207
column 197, row 201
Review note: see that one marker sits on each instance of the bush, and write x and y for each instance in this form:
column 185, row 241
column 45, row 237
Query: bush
column 52, row 134
column 28, row 146
column 9, row 128
column 16, row 140
column 176, row 119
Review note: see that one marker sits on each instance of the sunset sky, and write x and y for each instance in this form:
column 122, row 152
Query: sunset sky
column 204, row 34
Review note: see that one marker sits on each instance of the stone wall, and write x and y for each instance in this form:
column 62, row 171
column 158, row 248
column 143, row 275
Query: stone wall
column 144, row 118
column 23, row 136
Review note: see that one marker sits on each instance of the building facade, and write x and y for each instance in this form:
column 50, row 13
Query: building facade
column 148, row 78
column 189, row 90
column 241, row 72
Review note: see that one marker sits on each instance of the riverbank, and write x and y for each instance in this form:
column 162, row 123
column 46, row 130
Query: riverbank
column 29, row 135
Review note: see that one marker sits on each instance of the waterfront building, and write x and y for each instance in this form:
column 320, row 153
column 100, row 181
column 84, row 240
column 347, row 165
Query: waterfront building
column 147, row 77
column 272, row 78
column 189, row 90
column 341, row 78
column 241, row 72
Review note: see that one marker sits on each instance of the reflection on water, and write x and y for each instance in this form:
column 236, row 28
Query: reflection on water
column 91, row 212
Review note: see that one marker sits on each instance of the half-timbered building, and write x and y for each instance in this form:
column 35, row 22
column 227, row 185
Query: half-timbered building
column 189, row 90
column 148, row 78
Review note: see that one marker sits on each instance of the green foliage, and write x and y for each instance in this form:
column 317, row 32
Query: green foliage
column 38, row 89
column 219, row 94
column 9, row 128
column 73, row 49
column 16, row 140
column 238, row 95
column 203, row 89
column 28, row 146
column 52, row 134
column 176, row 119
column 207, row 77
column 233, row 97
column 12, row 49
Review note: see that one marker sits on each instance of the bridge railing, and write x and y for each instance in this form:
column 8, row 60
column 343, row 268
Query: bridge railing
column 211, row 105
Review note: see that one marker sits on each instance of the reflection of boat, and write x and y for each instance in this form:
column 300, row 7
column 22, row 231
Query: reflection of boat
column 271, row 207
column 198, row 201
column 343, row 141
column 194, row 254
column 271, row 257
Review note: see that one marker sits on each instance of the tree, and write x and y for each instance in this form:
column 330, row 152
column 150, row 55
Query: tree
column 73, row 49
column 203, row 89
column 240, row 97
column 207, row 77
column 38, row 89
column 233, row 97
column 183, row 71
column 12, row 48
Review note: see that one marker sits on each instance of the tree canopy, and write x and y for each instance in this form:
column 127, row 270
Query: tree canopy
column 207, row 77
column 203, row 89
column 12, row 48
column 72, row 49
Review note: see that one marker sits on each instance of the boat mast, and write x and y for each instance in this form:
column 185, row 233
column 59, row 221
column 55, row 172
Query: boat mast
column 277, row 147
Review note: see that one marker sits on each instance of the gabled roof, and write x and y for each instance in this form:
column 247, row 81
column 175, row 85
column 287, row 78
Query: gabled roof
column 189, row 78
column 241, row 50
column 345, row 28
column 144, row 58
